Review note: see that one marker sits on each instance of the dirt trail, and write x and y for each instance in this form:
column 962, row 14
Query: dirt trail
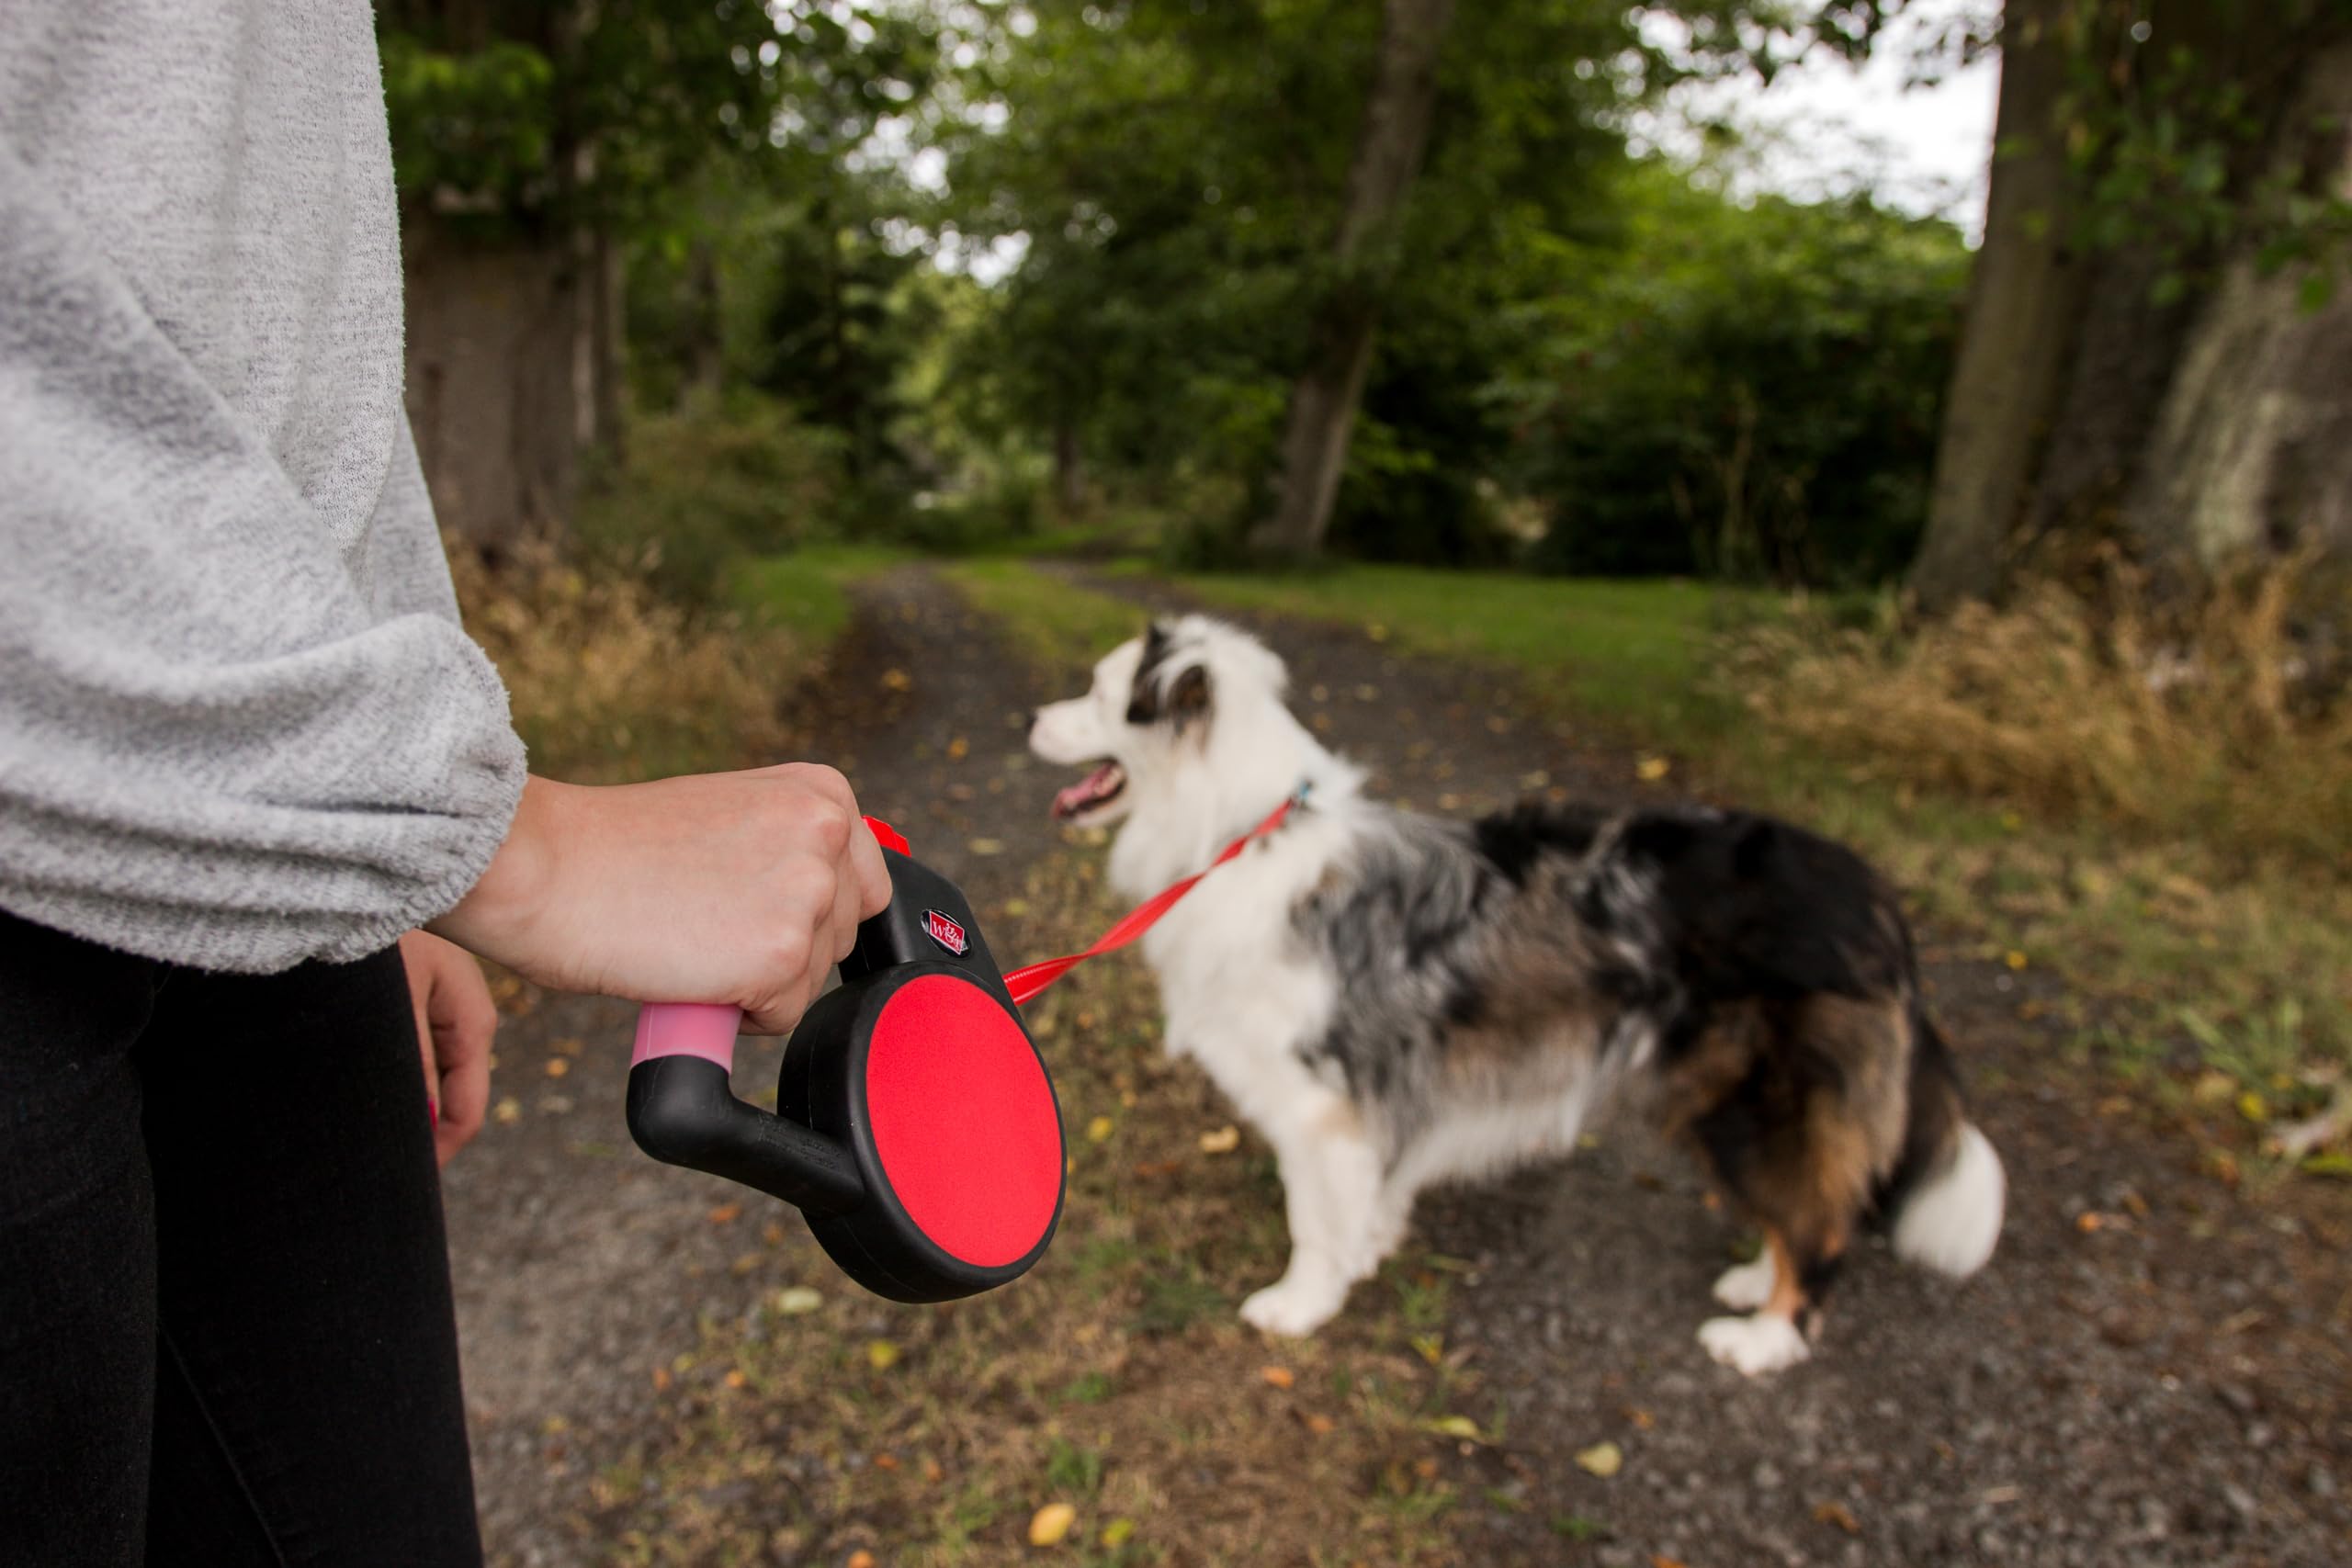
column 2154, row 1371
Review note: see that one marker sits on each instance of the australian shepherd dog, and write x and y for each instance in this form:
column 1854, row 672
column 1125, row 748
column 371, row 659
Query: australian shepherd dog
column 1394, row 999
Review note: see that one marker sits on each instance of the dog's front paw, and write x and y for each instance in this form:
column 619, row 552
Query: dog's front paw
column 1295, row 1308
column 1753, row 1346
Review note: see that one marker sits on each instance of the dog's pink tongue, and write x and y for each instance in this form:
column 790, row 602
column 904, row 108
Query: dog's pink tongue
column 1087, row 791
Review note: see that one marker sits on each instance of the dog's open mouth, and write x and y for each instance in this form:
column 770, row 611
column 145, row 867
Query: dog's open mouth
column 1099, row 788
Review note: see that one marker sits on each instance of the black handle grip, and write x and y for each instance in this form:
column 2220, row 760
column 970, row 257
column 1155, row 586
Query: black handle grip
column 682, row 1113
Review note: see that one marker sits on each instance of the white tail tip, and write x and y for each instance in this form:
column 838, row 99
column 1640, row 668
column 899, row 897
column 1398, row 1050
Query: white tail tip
column 1953, row 1218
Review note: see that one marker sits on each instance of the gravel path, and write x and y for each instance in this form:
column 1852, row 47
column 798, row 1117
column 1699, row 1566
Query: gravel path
column 2154, row 1371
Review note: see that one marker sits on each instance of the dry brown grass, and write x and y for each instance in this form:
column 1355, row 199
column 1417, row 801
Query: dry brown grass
column 2207, row 721
column 610, row 683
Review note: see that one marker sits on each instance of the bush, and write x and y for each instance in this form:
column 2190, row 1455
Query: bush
column 610, row 683
column 703, row 490
column 1748, row 393
column 2218, row 719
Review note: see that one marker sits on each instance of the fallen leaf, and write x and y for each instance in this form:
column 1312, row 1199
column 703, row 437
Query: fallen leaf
column 772, row 1234
column 958, row 749
column 661, row 1378
column 571, row 1047
column 735, row 1379
column 1456, row 1426
column 1430, row 1347
column 2087, row 1222
column 896, row 681
column 986, row 846
column 1603, row 1459
column 933, row 1472
column 1375, row 631
column 507, row 1112
column 1118, row 1532
column 1050, row 1524
column 2253, row 1108
column 1224, row 1140
column 861, row 1557
column 1280, row 1377
column 1099, row 1128
column 1839, row 1514
column 886, row 1461
column 726, row 1213
column 1641, row 1419
column 1322, row 1426
column 794, row 1300
column 881, row 1355
column 1660, row 1559
column 1649, row 770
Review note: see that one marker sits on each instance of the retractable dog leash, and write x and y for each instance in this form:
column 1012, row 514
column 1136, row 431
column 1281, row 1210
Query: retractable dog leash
column 915, row 1127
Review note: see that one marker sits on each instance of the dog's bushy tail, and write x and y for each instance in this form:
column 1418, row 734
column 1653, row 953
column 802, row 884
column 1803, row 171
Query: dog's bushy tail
column 1950, row 1191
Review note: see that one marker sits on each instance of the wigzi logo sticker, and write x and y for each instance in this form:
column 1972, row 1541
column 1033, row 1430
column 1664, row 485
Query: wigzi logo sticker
column 945, row 932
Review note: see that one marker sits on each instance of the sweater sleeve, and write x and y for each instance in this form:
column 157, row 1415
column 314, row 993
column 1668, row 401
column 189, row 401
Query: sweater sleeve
column 214, row 750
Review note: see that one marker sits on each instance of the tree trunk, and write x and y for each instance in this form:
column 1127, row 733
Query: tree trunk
column 1069, row 472
column 1388, row 156
column 2084, row 408
column 494, row 334
column 2024, row 302
column 2252, row 451
column 608, row 348
column 707, row 352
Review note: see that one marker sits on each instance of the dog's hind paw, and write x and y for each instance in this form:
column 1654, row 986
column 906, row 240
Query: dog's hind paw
column 1753, row 1346
column 1747, row 1286
column 1293, row 1308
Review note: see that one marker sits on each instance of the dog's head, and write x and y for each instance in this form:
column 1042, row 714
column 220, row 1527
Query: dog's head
column 1186, row 690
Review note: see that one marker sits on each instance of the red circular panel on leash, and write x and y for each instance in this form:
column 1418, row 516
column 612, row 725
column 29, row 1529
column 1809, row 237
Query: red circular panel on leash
column 964, row 1121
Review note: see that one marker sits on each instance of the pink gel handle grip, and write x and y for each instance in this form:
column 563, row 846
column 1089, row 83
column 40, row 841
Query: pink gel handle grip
column 688, row 1029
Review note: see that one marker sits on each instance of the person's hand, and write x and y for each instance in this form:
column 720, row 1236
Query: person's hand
column 718, row 887
column 455, row 1023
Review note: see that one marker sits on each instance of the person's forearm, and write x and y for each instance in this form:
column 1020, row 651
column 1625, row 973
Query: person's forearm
column 741, row 888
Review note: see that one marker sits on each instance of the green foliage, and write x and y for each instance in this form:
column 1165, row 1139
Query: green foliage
column 2184, row 136
column 703, row 491
column 508, row 112
column 480, row 122
column 1744, row 392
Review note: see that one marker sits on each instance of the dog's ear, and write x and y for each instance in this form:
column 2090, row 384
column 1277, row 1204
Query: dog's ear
column 1188, row 696
column 1144, row 697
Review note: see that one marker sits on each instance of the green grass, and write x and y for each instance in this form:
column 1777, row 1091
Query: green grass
column 1058, row 626
column 1626, row 651
column 807, row 592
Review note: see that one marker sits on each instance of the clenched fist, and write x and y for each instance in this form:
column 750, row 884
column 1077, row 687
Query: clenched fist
column 716, row 887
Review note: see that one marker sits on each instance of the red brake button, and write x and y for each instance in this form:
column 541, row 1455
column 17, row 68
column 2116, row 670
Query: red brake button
column 889, row 838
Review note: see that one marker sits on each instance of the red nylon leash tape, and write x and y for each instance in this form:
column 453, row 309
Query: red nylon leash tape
column 1031, row 978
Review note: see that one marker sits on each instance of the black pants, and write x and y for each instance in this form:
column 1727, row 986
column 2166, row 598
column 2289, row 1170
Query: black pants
column 225, row 1326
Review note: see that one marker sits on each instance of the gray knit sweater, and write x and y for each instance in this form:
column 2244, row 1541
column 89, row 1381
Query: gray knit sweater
column 239, row 724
